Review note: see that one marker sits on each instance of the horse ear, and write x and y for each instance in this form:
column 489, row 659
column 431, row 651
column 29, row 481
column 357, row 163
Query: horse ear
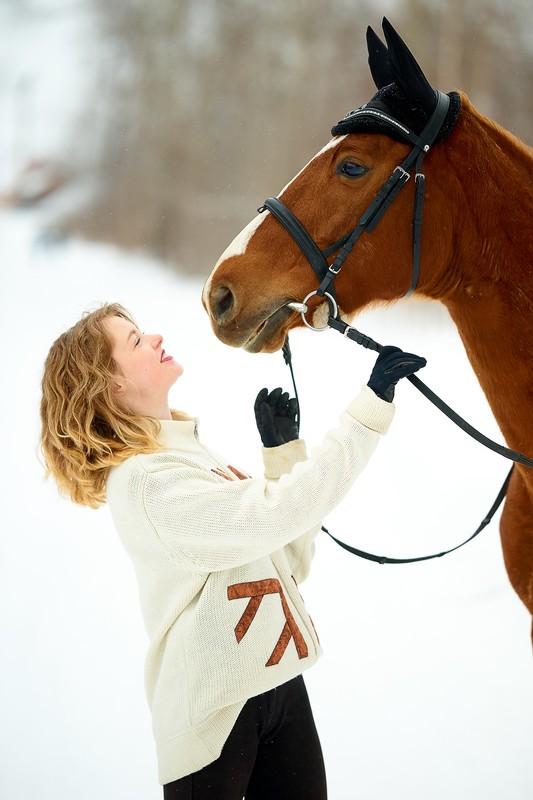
column 378, row 60
column 405, row 69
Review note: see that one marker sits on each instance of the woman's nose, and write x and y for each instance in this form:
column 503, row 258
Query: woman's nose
column 156, row 340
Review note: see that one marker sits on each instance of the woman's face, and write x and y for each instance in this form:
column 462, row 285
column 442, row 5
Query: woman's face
column 146, row 371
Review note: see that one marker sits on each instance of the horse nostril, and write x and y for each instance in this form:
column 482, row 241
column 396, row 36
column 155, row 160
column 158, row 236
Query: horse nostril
column 222, row 301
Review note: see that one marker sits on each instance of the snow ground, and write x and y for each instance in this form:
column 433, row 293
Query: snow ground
column 425, row 689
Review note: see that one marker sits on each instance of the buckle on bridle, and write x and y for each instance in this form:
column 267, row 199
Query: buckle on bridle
column 347, row 330
column 404, row 175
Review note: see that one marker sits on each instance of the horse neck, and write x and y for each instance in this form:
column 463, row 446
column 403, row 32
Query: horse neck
column 494, row 173
column 490, row 296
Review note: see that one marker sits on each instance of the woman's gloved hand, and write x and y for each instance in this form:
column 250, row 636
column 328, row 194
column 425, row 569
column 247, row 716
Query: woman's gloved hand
column 391, row 365
column 275, row 416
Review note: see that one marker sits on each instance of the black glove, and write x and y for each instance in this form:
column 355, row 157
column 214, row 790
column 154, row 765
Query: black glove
column 275, row 416
column 391, row 365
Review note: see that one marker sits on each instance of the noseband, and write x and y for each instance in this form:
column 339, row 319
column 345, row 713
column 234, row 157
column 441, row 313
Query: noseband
column 318, row 258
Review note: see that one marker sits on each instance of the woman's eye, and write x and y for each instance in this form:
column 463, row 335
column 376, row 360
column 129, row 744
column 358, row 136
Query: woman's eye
column 137, row 341
column 351, row 169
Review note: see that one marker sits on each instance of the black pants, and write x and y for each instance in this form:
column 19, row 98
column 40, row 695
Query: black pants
column 272, row 753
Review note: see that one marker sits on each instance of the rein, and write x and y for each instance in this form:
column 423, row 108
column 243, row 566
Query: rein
column 326, row 275
column 365, row 341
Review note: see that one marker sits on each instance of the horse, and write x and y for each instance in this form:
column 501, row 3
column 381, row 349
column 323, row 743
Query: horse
column 475, row 255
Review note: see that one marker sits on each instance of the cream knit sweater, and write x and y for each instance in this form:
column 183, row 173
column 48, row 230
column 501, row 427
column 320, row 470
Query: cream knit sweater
column 218, row 563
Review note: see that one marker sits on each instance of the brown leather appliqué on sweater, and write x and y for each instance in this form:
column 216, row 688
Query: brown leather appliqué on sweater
column 256, row 590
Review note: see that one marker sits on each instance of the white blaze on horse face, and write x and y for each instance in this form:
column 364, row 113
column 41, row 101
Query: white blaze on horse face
column 239, row 244
column 332, row 143
column 236, row 248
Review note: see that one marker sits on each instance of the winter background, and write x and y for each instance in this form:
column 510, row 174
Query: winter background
column 425, row 688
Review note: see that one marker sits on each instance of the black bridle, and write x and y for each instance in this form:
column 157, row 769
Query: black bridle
column 377, row 208
column 326, row 274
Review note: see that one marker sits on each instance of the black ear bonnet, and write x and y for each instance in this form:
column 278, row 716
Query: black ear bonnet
column 404, row 94
column 394, row 103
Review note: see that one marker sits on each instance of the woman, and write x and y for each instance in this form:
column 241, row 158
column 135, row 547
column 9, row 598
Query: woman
column 218, row 555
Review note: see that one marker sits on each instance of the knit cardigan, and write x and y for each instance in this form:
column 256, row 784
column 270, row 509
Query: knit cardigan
column 218, row 564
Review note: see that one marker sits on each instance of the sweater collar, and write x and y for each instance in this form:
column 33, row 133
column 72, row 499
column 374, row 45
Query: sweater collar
column 178, row 431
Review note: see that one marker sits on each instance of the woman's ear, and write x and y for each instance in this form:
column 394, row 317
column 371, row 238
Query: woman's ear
column 117, row 387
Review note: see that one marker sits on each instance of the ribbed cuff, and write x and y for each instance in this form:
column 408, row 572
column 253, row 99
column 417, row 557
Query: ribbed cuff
column 371, row 411
column 280, row 460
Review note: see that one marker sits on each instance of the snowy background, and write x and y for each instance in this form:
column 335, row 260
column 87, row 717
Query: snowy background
column 425, row 689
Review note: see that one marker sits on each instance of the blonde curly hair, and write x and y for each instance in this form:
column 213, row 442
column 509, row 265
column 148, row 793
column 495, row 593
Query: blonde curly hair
column 84, row 431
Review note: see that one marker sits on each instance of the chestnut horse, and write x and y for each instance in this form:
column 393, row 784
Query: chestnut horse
column 475, row 255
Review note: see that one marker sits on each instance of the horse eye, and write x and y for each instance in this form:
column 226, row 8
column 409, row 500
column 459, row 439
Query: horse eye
column 351, row 169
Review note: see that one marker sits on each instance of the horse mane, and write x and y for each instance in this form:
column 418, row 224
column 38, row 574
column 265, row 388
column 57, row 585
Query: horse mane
column 508, row 144
column 495, row 172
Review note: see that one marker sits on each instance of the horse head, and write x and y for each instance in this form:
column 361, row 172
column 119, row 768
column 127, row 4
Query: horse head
column 264, row 269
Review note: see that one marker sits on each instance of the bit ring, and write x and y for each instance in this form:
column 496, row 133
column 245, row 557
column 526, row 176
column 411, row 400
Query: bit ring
column 333, row 308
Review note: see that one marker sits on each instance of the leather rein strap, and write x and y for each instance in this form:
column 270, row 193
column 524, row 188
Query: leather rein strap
column 365, row 341
column 386, row 560
column 369, row 343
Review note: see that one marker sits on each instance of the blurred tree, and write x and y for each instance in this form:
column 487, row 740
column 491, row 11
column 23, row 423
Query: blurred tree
column 484, row 47
column 205, row 107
